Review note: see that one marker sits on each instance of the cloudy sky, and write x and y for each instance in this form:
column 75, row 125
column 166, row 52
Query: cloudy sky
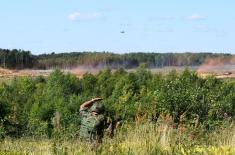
column 46, row 26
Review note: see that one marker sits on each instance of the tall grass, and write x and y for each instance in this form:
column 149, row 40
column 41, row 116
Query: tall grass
column 131, row 139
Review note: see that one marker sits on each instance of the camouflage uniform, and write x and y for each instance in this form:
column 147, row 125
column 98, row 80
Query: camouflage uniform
column 92, row 126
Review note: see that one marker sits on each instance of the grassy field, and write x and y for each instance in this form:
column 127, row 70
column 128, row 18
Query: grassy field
column 144, row 138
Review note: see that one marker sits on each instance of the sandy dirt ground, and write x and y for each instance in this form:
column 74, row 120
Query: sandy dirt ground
column 225, row 71
column 6, row 73
column 10, row 73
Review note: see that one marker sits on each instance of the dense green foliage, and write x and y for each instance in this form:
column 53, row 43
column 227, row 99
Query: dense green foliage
column 16, row 59
column 31, row 106
column 24, row 59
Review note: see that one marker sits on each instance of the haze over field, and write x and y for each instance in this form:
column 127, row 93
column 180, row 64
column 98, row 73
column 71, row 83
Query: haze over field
column 118, row 26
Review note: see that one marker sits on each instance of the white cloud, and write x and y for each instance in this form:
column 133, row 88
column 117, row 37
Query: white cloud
column 196, row 17
column 76, row 16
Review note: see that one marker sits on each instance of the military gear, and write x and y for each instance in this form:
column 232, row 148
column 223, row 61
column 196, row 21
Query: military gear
column 97, row 107
column 92, row 126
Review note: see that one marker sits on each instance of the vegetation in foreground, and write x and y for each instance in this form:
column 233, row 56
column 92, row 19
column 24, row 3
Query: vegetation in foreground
column 173, row 114
column 147, row 139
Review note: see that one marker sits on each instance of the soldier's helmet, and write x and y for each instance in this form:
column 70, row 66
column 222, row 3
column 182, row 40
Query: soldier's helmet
column 97, row 107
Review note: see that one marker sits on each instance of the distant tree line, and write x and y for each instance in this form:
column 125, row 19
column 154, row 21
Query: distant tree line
column 129, row 60
column 17, row 59
column 24, row 59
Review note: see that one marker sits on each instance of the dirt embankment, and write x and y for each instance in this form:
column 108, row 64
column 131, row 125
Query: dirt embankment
column 10, row 73
column 220, row 71
column 219, row 67
column 7, row 73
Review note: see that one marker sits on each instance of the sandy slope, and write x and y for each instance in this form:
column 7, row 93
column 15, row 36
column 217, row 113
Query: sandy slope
column 219, row 72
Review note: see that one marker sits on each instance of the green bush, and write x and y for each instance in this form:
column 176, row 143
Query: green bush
column 2, row 133
column 29, row 106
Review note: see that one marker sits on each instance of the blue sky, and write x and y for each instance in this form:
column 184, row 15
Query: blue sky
column 94, row 25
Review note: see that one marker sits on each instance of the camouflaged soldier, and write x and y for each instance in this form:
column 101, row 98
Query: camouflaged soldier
column 93, row 121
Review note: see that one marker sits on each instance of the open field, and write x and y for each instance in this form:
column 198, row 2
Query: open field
column 7, row 73
column 220, row 71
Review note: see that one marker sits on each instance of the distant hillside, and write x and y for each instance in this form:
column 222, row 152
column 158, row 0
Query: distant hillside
column 20, row 59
